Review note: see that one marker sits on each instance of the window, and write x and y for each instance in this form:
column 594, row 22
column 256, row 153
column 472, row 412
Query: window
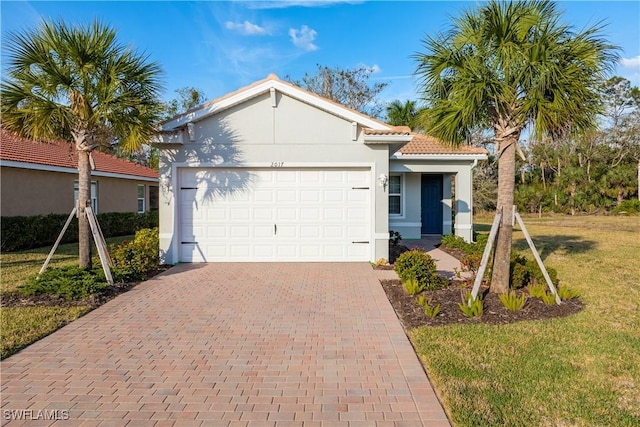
column 94, row 195
column 153, row 197
column 141, row 198
column 395, row 195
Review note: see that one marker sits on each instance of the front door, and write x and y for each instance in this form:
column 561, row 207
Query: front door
column 431, row 204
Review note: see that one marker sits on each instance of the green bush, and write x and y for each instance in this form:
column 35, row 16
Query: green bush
column 133, row 260
column 418, row 265
column 451, row 241
column 431, row 311
column 525, row 272
column 471, row 307
column 511, row 301
column 628, row 206
column 537, row 290
column 566, row 293
column 72, row 283
column 413, row 287
column 27, row 232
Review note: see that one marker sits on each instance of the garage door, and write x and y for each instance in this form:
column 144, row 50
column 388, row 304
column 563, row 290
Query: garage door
column 274, row 214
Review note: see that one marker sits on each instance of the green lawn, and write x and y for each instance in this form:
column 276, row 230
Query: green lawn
column 21, row 326
column 578, row 371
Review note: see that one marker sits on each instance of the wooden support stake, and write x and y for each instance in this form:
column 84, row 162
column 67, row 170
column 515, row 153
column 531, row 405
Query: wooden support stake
column 537, row 257
column 100, row 244
column 55, row 245
column 485, row 256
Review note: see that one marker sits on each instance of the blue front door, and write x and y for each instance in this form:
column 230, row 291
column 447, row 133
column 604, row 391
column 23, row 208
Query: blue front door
column 431, row 204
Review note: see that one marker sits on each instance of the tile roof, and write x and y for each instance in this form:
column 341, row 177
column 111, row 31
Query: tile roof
column 63, row 154
column 396, row 130
column 425, row 144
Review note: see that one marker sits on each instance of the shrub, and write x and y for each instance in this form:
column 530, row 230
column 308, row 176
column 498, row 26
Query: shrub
column 26, row 232
column 471, row 307
column 451, row 241
column 566, row 293
column 537, row 290
column 511, row 301
column 413, row 287
column 628, row 206
column 471, row 262
column 431, row 311
column 71, row 283
column 520, row 274
column 417, row 264
column 133, row 260
column 549, row 298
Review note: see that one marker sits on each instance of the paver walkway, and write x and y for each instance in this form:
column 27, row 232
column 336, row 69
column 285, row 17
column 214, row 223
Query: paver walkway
column 304, row 344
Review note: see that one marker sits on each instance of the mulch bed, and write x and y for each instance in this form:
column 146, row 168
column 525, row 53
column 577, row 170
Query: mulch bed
column 412, row 315
column 14, row 299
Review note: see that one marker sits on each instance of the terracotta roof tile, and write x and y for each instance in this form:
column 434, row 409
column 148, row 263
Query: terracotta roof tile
column 425, row 144
column 396, row 130
column 63, row 154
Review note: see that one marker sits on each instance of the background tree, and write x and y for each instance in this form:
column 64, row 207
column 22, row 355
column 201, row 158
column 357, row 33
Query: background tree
column 188, row 98
column 504, row 66
column 77, row 83
column 351, row 87
column 399, row 114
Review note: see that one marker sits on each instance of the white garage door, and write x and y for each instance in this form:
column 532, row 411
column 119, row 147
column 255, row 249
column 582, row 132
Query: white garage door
column 274, row 214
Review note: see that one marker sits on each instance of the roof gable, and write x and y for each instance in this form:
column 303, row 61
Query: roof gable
column 63, row 154
column 272, row 84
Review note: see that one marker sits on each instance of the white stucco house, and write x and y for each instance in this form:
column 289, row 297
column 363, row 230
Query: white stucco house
column 273, row 172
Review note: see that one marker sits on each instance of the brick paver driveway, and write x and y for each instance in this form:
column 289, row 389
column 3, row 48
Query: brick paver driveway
column 305, row 344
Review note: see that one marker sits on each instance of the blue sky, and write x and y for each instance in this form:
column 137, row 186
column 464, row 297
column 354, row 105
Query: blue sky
column 220, row 46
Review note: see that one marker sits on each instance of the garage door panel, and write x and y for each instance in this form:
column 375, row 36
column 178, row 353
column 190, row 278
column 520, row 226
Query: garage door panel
column 216, row 214
column 334, row 214
column 282, row 215
column 263, row 231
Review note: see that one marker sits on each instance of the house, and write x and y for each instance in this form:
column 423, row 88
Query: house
column 39, row 178
column 273, row 172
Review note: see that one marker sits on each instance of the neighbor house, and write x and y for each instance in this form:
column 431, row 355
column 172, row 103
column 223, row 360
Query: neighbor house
column 39, row 178
column 273, row 172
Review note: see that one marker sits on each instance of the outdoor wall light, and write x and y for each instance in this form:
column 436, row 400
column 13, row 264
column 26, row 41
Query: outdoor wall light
column 382, row 180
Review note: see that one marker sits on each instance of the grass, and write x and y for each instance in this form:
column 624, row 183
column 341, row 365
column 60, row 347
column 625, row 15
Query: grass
column 21, row 326
column 583, row 370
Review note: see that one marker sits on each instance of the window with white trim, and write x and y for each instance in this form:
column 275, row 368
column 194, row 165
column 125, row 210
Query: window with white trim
column 395, row 195
column 141, row 199
column 94, row 195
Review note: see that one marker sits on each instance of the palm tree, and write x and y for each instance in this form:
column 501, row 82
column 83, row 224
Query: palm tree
column 77, row 83
column 399, row 114
column 506, row 66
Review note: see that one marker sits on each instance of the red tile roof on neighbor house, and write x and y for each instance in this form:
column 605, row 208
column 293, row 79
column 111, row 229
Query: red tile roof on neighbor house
column 63, row 154
column 425, row 144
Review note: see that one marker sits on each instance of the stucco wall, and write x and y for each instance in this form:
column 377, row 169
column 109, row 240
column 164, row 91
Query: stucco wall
column 26, row 192
column 256, row 134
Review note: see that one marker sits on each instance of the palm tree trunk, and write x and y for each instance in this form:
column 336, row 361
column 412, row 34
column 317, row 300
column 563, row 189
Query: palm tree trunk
column 84, row 197
column 506, row 187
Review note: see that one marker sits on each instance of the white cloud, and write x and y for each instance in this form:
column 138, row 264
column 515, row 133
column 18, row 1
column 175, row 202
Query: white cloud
column 631, row 62
column 247, row 28
column 303, row 38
